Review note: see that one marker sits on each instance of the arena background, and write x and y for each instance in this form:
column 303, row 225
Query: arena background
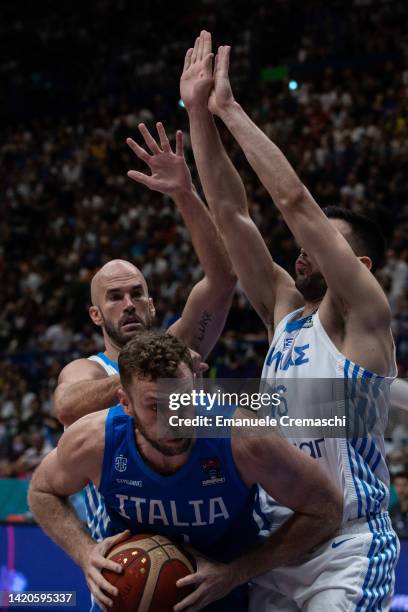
column 327, row 80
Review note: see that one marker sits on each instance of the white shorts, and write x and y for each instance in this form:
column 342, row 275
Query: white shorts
column 352, row 572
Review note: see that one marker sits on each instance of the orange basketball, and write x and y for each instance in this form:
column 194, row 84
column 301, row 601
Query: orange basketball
column 152, row 564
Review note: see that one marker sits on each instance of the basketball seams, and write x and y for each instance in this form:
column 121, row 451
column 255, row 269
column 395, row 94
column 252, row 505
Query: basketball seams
column 132, row 545
column 156, row 563
column 160, row 553
column 174, row 552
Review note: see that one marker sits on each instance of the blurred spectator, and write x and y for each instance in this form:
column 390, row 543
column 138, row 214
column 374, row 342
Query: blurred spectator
column 399, row 513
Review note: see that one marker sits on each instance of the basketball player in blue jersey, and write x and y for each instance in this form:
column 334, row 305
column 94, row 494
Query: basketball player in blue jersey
column 331, row 321
column 122, row 307
column 155, row 484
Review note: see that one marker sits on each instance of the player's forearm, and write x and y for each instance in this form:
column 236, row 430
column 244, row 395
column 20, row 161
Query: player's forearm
column 222, row 185
column 57, row 518
column 267, row 160
column 74, row 400
column 296, row 537
column 206, row 240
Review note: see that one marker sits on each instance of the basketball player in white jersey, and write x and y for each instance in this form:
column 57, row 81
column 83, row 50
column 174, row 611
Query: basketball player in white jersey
column 332, row 321
column 121, row 305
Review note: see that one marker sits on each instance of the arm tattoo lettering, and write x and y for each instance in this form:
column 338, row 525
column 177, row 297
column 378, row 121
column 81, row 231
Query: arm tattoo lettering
column 202, row 325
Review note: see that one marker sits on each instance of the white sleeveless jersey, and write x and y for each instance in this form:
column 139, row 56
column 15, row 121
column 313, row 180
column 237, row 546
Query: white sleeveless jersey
column 301, row 349
column 97, row 517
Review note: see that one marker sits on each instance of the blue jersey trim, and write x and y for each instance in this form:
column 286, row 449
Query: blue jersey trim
column 383, row 555
column 297, row 324
column 359, row 501
column 108, row 361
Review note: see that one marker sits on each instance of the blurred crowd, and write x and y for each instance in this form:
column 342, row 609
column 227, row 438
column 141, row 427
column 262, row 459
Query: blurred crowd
column 327, row 81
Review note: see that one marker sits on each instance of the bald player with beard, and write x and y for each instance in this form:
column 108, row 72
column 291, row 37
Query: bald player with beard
column 121, row 305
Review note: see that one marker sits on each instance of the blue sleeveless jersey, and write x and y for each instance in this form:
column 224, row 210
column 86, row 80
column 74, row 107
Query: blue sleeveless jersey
column 205, row 503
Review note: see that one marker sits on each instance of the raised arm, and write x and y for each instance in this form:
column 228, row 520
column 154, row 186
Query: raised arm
column 58, row 477
column 83, row 387
column 351, row 285
column 206, row 310
column 269, row 287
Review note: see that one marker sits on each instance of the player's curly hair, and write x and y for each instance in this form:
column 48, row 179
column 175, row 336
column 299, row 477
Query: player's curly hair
column 153, row 355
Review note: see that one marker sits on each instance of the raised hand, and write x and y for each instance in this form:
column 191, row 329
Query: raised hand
column 169, row 172
column 221, row 95
column 196, row 81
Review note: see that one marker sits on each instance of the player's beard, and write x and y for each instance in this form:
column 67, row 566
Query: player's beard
column 169, row 451
column 114, row 333
column 311, row 286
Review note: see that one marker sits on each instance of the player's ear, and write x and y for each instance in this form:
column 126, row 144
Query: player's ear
column 124, row 400
column 95, row 315
column 152, row 309
column 366, row 261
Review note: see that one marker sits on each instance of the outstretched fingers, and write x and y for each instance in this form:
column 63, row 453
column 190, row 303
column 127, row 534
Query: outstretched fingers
column 139, row 177
column 207, row 43
column 138, row 150
column 223, row 60
column 208, row 64
column 164, row 141
column 148, row 138
column 200, row 53
column 195, row 50
column 179, row 143
column 187, row 59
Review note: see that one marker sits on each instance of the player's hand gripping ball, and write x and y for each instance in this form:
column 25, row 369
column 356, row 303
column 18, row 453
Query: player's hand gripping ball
column 151, row 567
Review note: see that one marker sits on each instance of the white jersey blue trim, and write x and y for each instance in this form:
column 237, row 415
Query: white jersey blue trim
column 301, row 348
column 378, row 585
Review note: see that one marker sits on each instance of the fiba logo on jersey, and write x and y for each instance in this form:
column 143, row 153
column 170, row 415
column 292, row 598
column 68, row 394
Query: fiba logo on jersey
column 120, row 463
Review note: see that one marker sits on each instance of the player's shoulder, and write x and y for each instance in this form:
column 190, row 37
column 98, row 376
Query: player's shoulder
column 86, row 435
column 82, row 445
column 81, row 369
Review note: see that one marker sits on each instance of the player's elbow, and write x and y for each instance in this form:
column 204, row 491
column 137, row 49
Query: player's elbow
column 228, row 215
column 222, row 281
column 63, row 408
column 34, row 495
column 292, row 197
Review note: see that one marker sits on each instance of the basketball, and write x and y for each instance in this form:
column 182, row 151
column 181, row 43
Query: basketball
column 152, row 564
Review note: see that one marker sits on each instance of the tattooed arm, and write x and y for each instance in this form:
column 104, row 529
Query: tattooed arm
column 205, row 312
